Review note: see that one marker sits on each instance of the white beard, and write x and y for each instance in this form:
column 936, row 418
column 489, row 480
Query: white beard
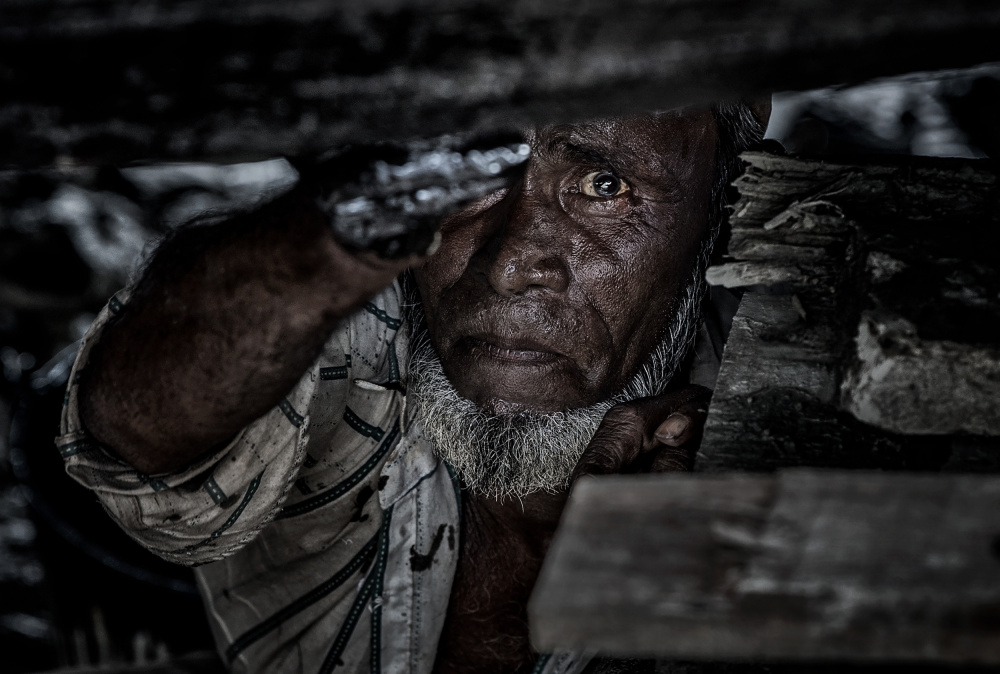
column 513, row 455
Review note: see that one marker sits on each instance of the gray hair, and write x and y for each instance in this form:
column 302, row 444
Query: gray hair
column 513, row 455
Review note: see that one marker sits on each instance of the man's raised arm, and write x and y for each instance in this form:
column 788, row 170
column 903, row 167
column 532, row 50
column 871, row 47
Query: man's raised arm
column 228, row 315
column 225, row 320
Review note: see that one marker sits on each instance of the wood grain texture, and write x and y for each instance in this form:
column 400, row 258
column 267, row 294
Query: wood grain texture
column 802, row 565
column 111, row 81
column 870, row 327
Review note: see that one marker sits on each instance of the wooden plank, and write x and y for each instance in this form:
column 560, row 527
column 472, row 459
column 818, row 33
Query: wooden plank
column 115, row 81
column 804, row 565
column 878, row 327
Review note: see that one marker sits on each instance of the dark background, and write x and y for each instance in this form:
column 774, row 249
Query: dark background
column 93, row 169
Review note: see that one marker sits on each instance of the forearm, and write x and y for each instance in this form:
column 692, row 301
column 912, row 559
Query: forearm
column 228, row 316
column 225, row 320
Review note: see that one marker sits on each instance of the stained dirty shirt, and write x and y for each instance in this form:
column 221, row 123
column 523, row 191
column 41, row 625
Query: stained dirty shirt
column 325, row 534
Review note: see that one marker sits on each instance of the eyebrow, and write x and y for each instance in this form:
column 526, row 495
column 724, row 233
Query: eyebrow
column 585, row 154
column 568, row 147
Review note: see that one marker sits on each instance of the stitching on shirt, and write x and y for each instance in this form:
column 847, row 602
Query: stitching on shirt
column 294, row 417
column 345, row 485
column 379, row 574
column 417, row 580
column 393, row 365
column 251, row 490
column 383, row 316
column 540, row 665
column 367, row 361
column 76, row 447
column 361, row 426
column 334, row 372
column 305, row 601
column 156, row 483
column 332, row 659
column 214, row 490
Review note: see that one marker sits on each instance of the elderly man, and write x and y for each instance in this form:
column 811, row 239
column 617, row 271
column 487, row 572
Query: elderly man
column 389, row 509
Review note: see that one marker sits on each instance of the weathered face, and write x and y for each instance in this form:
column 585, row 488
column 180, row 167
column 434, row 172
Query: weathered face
column 549, row 295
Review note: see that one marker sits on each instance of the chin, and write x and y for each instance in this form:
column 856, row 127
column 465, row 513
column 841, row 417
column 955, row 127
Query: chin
column 497, row 406
column 513, row 399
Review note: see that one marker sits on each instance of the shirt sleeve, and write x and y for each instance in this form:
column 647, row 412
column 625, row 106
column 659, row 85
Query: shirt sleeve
column 208, row 510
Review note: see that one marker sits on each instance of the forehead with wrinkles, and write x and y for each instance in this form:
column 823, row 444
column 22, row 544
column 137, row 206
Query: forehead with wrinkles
column 670, row 148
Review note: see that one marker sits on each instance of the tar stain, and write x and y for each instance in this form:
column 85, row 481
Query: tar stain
column 420, row 562
column 382, row 482
column 451, row 537
column 359, row 504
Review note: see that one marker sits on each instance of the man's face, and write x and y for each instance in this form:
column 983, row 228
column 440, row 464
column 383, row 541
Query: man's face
column 551, row 294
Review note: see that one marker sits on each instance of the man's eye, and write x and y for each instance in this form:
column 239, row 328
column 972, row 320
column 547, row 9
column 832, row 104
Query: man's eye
column 603, row 185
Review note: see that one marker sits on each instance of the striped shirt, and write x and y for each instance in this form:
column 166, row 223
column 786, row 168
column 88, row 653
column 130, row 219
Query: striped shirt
column 325, row 535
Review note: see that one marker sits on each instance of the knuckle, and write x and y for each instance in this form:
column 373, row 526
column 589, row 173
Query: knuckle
column 602, row 453
column 624, row 416
column 607, row 454
column 598, row 465
column 674, row 460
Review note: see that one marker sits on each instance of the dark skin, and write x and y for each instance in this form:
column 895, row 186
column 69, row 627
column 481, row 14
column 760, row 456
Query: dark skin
column 226, row 320
column 550, row 296
column 547, row 295
column 503, row 544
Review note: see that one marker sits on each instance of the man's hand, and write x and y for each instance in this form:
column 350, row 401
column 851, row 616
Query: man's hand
column 389, row 198
column 650, row 435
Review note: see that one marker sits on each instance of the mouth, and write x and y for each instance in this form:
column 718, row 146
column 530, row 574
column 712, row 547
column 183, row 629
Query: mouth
column 515, row 351
column 528, row 367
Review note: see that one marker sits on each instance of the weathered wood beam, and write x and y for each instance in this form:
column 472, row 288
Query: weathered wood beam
column 115, row 81
column 804, row 565
column 872, row 324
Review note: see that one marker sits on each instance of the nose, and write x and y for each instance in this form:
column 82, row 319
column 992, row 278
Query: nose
column 527, row 250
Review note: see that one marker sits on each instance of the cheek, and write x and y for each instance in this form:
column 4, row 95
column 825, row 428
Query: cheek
column 640, row 286
column 638, row 295
column 445, row 267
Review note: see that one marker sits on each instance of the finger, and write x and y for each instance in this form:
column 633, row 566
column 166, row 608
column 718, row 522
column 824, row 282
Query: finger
column 617, row 443
column 675, row 430
column 673, row 459
column 683, row 425
column 675, row 440
column 633, row 435
column 606, row 458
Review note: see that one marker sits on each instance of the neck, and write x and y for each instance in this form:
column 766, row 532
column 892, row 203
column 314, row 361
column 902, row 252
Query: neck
column 504, row 542
column 538, row 509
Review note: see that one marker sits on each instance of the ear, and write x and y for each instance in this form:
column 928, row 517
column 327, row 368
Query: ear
column 761, row 107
